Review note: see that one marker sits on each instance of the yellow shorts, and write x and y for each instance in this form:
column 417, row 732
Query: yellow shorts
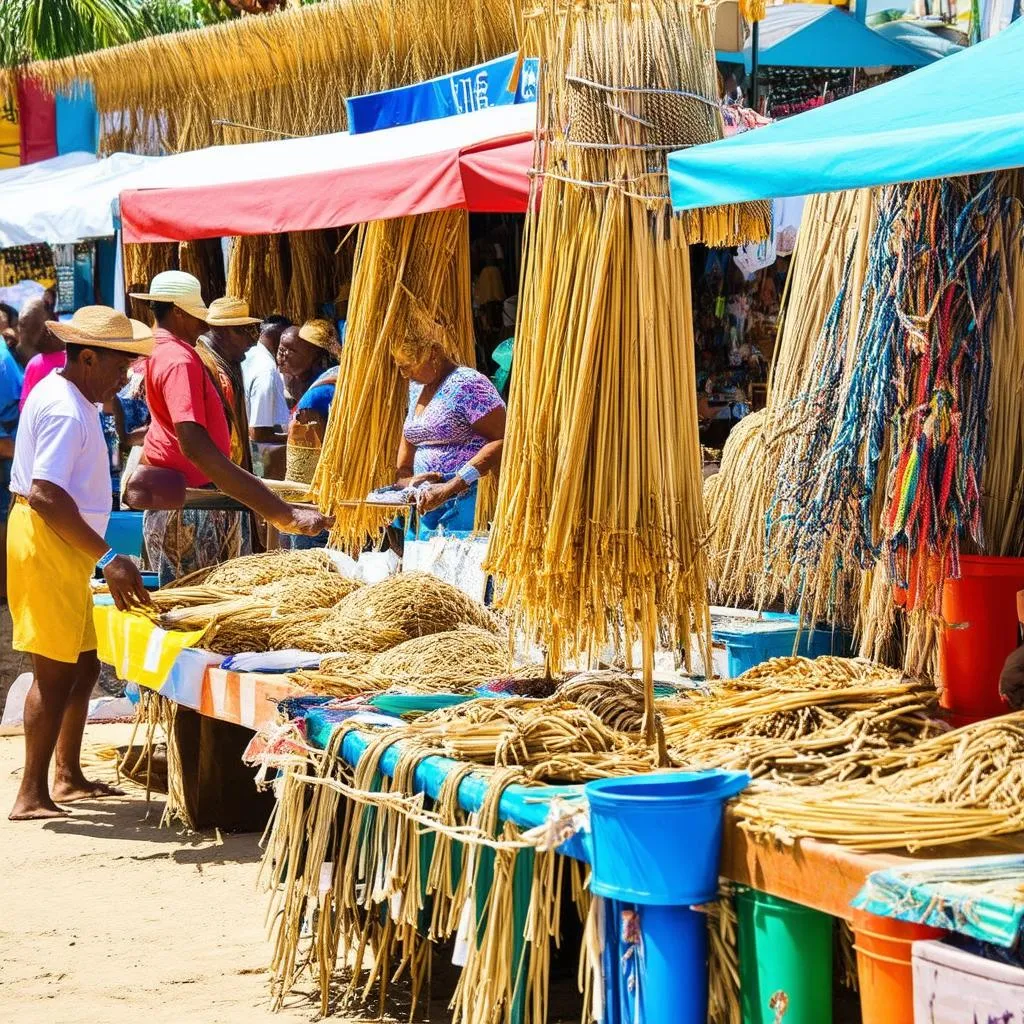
column 47, row 589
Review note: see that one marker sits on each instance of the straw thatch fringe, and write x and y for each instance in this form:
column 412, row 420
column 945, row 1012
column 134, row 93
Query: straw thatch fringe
column 282, row 74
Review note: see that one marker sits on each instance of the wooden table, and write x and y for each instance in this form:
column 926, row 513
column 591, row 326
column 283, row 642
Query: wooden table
column 826, row 876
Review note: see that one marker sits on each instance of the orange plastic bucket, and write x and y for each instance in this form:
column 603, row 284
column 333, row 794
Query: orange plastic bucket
column 980, row 610
column 884, row 967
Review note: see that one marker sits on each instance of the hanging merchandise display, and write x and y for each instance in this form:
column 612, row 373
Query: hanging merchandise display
column 896, row 470
column 741, row 493
column 27, row 263
column 598, row 534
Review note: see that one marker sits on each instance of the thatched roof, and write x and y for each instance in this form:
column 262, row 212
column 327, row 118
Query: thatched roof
column 287, row 72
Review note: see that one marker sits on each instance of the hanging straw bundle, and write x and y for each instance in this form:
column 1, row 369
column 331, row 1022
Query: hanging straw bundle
column 311, row 280
column 256, row 272
column 600, row 522
column 204, row 260
column 411, row 274
column 142, row 262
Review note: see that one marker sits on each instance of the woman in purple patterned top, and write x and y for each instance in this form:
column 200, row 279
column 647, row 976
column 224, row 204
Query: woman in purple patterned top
column 454, row 430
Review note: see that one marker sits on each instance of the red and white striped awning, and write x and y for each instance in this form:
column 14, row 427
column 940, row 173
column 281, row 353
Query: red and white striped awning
column 478, row 161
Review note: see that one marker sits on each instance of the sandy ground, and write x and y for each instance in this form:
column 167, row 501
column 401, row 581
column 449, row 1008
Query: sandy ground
column 104, row 917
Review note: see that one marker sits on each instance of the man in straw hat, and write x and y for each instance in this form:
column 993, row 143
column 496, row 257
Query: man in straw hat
column 60, row 480
column 189, row 433
column 222, row 348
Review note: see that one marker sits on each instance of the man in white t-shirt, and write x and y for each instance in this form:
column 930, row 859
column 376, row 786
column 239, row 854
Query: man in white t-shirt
column 264, row 393
column 60, row 484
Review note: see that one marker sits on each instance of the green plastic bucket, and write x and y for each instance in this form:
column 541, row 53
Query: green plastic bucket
column 785, row 954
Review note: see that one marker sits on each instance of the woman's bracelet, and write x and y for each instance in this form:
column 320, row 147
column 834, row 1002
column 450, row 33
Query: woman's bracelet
column 468, row 474
column 106, row 559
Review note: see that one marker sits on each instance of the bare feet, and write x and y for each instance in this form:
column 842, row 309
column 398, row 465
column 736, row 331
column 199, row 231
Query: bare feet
column 27, row 808
column 67, row 791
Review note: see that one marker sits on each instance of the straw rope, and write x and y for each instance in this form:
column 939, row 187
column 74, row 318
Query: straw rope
column 961, row 786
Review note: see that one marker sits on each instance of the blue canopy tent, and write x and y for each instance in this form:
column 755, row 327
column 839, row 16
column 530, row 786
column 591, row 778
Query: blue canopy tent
column 822, row 36
column 961, row 115
column 909, row 33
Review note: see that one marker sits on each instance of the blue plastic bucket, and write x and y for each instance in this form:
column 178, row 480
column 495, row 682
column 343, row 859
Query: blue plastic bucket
column 674, row 986
column 124, row 533
column 655, row 839
column 775, row 636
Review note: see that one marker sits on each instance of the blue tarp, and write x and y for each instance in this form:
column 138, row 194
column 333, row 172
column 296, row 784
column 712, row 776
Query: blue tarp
column 823, row 36
column 961, row 115
column 525, row 806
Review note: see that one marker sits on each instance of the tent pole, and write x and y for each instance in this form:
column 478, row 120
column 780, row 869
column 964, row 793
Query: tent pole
column 755, row 39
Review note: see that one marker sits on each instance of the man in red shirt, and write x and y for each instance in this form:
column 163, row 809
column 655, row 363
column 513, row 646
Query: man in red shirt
column 189, row 433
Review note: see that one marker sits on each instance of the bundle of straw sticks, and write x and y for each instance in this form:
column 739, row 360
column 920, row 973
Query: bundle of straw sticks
column 409, row 271
column 598, row 534
column 402, row 875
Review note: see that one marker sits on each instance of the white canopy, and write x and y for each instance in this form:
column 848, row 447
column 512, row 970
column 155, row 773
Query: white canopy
column 66, row 199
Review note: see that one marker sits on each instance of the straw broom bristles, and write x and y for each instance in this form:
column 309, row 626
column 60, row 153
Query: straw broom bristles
column 286, row 73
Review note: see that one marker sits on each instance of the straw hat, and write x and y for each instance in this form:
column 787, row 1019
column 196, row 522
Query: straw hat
column 320, row 333
column 229, row 312
column 103, row 327
column 181, row 289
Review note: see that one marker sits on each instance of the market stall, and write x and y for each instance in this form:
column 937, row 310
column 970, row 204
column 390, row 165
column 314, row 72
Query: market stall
column 443, row 773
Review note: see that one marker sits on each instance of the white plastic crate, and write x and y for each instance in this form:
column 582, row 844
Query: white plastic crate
column 954, row 987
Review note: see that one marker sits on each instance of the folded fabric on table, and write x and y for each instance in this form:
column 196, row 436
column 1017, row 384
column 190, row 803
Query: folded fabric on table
column 271, row 661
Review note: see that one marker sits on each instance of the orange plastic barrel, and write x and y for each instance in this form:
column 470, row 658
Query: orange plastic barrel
column 980, row 610
column 884, row 969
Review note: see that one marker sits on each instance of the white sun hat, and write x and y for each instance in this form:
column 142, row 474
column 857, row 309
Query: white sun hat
column 181, row 289
column 103, row 327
